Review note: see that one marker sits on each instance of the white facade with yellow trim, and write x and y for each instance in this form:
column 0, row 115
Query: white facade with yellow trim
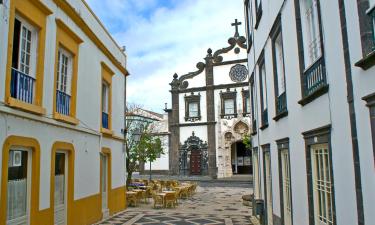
column 60, row 126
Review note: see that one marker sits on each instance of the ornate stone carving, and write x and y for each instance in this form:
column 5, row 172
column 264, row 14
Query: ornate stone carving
column 238, row 73
column 193, row 143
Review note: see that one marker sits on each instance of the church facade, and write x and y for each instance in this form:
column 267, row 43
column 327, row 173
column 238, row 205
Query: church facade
column 210, row 114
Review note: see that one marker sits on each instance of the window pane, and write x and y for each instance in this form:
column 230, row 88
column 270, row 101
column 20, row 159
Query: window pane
column 279, row 57
column 229, row 106
column 193, row 109
column 264, row 86
column 104, row 97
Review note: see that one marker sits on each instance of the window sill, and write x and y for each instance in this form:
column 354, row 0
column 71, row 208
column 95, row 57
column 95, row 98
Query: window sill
column 254, row 133
column 281, row 115
column 367, row 62
column 193, row 119
column 319, row 92
column 65, row 118
column 106, row 132
column 245, row 114
column 35, row 109
column 229, row 116
column 264, row 126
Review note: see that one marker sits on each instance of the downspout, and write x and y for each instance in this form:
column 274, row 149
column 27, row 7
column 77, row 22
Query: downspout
column 125, row 109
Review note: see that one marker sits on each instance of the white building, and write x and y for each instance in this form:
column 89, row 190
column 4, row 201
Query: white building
column 209, row 114
column 157, row 124
column 62, row 83
column 312, row 89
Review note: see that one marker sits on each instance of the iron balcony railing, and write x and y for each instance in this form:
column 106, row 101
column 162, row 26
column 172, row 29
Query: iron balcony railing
column 265, row 117
column 314, row 77
column 62, row 103
column 22, row 86
column 281, row 103
column 105, row 120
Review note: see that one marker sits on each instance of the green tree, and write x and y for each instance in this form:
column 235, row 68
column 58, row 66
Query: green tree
column 149, row 148
column 247, row 141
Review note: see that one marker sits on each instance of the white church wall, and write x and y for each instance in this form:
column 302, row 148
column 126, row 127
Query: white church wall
column 231, row 55
column 197, row 81
column 161, row 163
column 186, row 132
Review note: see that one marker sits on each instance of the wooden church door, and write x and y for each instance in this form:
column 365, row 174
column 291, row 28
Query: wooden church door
column 195, row 162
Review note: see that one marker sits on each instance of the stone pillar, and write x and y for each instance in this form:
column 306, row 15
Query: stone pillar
column 173, row 121
column 211, row 131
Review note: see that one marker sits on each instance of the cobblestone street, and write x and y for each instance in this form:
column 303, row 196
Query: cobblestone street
column 214, row 203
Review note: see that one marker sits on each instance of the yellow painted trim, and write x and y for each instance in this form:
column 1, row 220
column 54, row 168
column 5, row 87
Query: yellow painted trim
column 106, row 132
column 107, row 152
column 114, row 137
column 75, row 16
column 66, row 119
column 69, row 149
column 35, row 12
column 35, row 109
column 35, row 214
column 70, row 41
column 107, row 75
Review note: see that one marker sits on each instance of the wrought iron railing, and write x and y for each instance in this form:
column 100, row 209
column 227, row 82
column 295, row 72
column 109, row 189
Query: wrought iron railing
column 314, row 77
column 105, row 120
column 22, row 86
column 281, row 103
column 265, row 117
column 62, row 103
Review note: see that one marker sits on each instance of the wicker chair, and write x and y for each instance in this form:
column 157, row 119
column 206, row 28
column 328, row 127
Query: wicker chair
column 158, row 200
column 132, row 200
column 184, row 193
column 177, row 194
column 170, row 200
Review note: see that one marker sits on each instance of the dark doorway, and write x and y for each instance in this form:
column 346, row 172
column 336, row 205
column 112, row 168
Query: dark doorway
column 241, row 159
column 195, row 162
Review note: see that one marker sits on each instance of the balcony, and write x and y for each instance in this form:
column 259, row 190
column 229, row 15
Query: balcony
column 105, row 123
column 314, row 81
column 281, row 107
column 22, row 86
column 62, row 103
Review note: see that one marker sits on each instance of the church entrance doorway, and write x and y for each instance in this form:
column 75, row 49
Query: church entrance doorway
column 195, row 162
column 241, row 159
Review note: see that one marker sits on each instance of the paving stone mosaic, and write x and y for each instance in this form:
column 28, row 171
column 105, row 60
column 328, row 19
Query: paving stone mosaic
column 209, row 206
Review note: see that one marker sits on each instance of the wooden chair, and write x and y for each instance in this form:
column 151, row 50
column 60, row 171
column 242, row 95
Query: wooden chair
column 177, row 194
column 184, row 193
column 158, row 200
column 170, row 200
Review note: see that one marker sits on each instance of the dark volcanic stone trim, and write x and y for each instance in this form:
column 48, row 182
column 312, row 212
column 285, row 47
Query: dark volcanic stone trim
column 316, row 94
column 228, row 95
column 215, row 87
column 370, row 99
column 230, row 62
column 277, row 220
column 367, row 62
column 352, row 116
column 192, row 99
column 266, row 148
column 195, row 124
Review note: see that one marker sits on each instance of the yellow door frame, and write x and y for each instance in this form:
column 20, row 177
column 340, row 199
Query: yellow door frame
column 32, row 144
column 69, row 149
column 107, row 152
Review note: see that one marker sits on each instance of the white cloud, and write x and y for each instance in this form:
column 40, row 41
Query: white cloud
column 164, row 39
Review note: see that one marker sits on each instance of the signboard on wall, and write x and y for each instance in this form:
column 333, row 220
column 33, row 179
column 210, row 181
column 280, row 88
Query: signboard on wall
column 240, row 161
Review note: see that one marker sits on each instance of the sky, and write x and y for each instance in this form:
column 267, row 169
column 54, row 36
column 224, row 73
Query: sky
column 163, row 37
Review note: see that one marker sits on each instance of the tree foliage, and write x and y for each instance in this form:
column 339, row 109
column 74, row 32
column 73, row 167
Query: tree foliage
column 247, row 142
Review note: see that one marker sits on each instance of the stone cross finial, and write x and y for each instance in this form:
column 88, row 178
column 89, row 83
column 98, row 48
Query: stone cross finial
column 236, row 24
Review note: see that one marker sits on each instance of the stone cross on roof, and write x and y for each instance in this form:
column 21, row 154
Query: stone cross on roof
column 236, row 24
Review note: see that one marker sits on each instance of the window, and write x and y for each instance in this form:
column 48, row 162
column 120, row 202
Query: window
column 23, row 61
column 279, row 72
column 268, row 184
column 256, row 173
column 246, row 102
column 248, row 24
column 372, row 13
column 63, row 81
column 322, row 184
column 310, row 31
column 228, row 104
column 258, row 11
column 310, row 42
column 106, row 100
column 192, row 107
column 263, row 92
column 252, row 99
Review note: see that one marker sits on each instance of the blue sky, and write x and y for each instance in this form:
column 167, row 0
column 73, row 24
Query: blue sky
column 163, row 37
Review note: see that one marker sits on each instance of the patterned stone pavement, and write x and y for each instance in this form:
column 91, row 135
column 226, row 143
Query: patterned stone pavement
column 209, row 206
